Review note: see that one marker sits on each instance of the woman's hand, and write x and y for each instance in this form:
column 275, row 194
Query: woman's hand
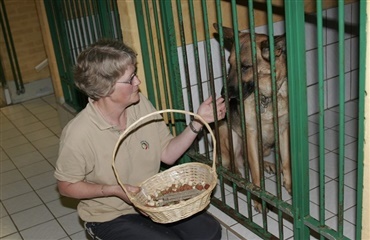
column 205, row 110
column 118, row 191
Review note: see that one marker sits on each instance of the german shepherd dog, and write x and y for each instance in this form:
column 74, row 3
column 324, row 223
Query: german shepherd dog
column 265, row 106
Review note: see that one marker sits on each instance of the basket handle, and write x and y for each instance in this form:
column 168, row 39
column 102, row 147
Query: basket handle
column 147, row 116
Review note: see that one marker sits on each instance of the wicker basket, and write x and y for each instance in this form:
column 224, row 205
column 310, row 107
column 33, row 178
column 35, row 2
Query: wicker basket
column 197, row 172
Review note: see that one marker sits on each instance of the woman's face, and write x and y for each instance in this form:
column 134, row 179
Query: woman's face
column 127, row 88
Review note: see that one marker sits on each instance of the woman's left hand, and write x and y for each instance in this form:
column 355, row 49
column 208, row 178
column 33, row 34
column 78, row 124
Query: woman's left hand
column 206, row 110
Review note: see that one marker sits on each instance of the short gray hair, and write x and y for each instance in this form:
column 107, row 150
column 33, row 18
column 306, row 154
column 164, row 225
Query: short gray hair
column 100, row 65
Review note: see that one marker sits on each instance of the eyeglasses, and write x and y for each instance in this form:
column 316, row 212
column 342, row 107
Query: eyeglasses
column 130, row 80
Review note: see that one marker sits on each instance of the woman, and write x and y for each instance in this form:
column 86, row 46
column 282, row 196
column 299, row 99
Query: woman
column 106, row 72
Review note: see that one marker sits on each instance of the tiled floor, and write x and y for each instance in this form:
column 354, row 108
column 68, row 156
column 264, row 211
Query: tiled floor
column 31, row 207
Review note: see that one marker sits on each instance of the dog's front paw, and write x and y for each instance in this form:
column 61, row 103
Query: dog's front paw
column 287, row 186
column 257, row 206
column 269, row 167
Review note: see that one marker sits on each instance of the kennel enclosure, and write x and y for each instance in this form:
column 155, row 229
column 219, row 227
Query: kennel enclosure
column 184, row 63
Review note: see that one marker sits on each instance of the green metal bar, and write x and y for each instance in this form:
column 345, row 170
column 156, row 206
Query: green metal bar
column 85, row 21
column 324, row 231
column 157, row 93
column 210, row 72
column 275, row 113
column 196, row 50
column 11, row 51
column 160, row 53
column 169, row 39
column 296, row 59
column 92, row 22
column 342, row 93
column 140, row 18
column 224, row 82
column 256, row 96
column 116, row 20
column 184, row 54
column 240, row 88
column 105, row 19
column 320, row 77
column 361, row 117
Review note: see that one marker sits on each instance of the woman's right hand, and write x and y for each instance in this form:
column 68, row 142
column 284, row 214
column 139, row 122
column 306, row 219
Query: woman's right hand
column 119, row 192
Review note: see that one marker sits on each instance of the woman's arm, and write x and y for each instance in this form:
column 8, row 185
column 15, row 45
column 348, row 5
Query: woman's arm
column 178, row 145
column 85, row 190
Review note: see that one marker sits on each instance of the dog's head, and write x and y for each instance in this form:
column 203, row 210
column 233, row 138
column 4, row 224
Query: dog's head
column 246, row 64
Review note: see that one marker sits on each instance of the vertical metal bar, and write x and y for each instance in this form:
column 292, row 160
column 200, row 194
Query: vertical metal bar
column 210, row 72
column 184, row 54
column 234, row 13
column 296, row 59
column 160, row 53
column 85, row 20
column 169, row 36
column 148, row 65
column 270, row 24
column 11, row 51
column 92, row 21
column 320, row 77
column 155, row 69
column 342, row 92
column 224, row 83
column 256, row 93
column 105, row 18
column 196, row 50
column 361, row 116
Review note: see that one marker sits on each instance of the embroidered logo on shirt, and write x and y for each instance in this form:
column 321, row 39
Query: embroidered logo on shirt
column 144, row 145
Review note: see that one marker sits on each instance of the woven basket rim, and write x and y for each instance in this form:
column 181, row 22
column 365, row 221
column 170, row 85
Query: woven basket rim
column 212, row 169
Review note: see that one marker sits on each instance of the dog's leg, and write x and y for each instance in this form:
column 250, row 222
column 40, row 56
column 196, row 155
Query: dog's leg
column 285, row 157
column 252, row 146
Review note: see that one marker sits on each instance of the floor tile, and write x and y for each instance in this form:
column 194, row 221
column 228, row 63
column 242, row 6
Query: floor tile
column 46, row 231
column 3, row 212
column 7, row 227
column 46, row 142
column 32, row 217
column 13, row 142
column 27, row 159
column 32, row 127
column 14, row 189
column 22, row 202
column 25, row 122
column 48, row 194
column 20, row 150
column 42, row 180
column 10, row 133
column 82, row 235
column 36, row 168
column 14, row 236
column 10, row 177
column 71, row 223
column 63, row 206
column 6, row 165
column 37, row 135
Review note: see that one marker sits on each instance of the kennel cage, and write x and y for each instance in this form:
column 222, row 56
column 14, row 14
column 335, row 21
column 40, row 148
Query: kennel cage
column 184, row 63
column 324, row 42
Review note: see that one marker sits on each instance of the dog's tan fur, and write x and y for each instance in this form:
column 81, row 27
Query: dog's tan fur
column 266, row 108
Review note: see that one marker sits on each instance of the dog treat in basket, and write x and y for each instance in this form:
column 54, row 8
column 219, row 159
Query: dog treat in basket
column 175, row 193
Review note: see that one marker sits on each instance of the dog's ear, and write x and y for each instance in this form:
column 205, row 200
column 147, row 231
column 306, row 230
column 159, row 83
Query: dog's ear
column 279, row 43
column 228, row 32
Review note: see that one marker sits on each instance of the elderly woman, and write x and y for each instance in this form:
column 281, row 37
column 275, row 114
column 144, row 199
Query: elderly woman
column 106, row 72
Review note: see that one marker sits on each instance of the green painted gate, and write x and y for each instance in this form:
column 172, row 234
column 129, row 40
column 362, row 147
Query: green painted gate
column 189, row 69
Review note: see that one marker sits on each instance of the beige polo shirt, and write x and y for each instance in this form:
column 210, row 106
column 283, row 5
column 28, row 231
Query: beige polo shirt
column 86, row 153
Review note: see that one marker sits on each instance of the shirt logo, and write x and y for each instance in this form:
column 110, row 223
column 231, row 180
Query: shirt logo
column 144, row 145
